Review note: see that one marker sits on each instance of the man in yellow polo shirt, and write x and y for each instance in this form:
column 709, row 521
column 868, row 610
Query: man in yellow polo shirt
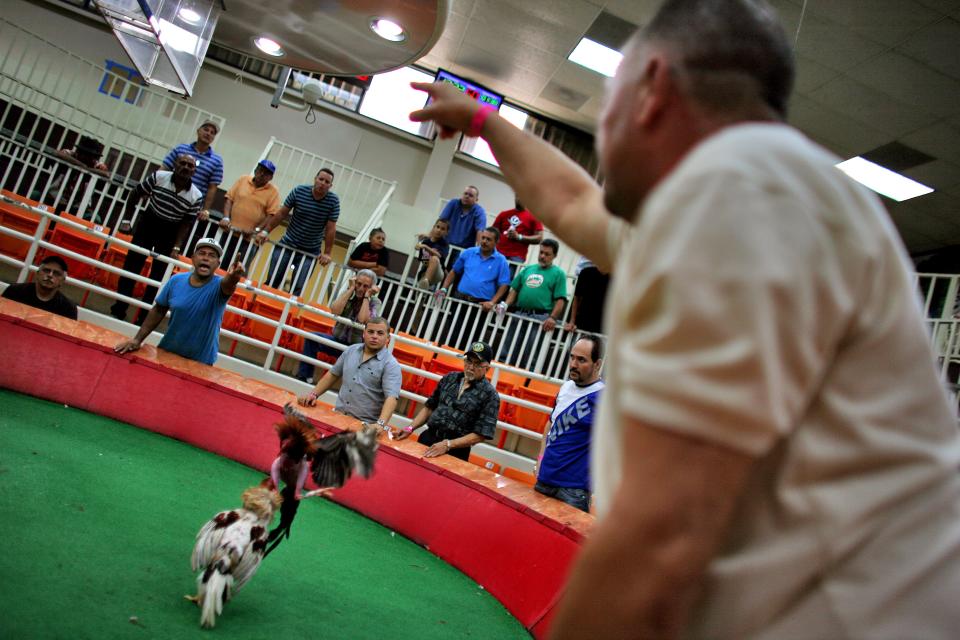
column 250, row 201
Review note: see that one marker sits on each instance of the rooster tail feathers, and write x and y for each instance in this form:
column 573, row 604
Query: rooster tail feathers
column 214, row 592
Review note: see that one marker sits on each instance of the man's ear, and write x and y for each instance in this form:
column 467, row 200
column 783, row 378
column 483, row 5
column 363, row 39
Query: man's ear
column 653, row 89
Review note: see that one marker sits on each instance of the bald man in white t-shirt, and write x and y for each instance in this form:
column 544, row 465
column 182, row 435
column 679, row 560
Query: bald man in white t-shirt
column 775, row 456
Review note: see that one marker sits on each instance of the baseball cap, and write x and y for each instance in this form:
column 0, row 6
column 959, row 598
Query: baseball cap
column 211, row 123
column 269, row 166
column 480, row 349
column 210, row 242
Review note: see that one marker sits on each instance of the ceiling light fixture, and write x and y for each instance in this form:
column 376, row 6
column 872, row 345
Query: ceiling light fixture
column 388, row 29
column 882, row 180
column 268, row 46
column 189, row 15
column 596, row 57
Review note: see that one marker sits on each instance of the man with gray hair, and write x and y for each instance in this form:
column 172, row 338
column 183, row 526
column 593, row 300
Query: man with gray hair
column 774, row 456
column 357, row 303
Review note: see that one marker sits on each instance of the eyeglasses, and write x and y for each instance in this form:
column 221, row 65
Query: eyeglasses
column 474, row 364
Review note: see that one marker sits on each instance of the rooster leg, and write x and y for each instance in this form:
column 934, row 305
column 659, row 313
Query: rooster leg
column 197, row 599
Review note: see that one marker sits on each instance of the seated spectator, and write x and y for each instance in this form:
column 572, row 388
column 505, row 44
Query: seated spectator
column 431, row 251
column 86, row 154
column 248, row 204
column 371, row 377
column 461, row 411
column 196, row 301
column 173, row 203
column 357, row 302
column 563, row 468
column 44, row 292
column 372, row 254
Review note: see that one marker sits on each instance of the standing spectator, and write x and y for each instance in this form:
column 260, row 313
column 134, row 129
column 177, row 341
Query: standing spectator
column 461, row 411
column 44, row 292
column 484, row 277
column 467, row 219
column 372, row 254
column 563, row 467
column 196, row 301
column 173, row 202
column 775, row 456
column 484, row 274
column 209, row 171
column 539, row 292
column 589, row 297
column 431, row 251
column 518, row 230
column 358, row 302
column 314, row 220
column 249, row 202
column 371, row 377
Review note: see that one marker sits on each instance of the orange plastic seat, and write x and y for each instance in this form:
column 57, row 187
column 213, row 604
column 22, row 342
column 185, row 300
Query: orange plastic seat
column 516, row 474
column 240, row 299
column 312, row 322
column 411, row 381
column 543, row 386
column 78, row 242
column 18, row 219
column 266, row 308
column 480, row 461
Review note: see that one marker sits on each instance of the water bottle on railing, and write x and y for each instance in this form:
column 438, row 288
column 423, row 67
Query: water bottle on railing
column 440, row 295
column 500, row 309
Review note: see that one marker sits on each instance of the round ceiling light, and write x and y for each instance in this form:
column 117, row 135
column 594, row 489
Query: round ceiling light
column 388, row 30
column 268, row 46
column 189, row 16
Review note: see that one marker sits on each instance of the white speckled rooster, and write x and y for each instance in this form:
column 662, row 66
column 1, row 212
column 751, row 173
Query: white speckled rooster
column 229, row 549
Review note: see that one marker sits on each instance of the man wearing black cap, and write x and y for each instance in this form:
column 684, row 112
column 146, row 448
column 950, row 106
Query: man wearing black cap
column 249, row 203
column 461, row 411
column 196, row 301
column 44, row 292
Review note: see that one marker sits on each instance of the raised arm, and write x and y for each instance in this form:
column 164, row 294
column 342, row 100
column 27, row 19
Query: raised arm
column 565, row 198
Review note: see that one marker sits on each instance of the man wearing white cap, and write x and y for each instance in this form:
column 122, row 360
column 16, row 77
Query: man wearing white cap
column 196, row 301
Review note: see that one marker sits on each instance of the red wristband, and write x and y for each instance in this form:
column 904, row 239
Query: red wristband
column 479, row 118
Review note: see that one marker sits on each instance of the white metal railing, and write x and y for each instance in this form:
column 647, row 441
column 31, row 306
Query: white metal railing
column 50, row 97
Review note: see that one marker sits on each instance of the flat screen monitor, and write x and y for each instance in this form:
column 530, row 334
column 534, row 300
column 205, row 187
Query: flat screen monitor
column 476, row 91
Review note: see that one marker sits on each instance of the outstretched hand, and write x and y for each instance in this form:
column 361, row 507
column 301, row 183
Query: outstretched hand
column 449, row 108
column 236, row 269
column 126, row 346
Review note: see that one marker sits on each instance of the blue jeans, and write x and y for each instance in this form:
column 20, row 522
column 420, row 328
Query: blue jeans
column 301, row 263
column 312, row 348
column 579, row 498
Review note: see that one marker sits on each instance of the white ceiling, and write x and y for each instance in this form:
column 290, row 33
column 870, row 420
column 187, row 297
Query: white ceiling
column 870, row 72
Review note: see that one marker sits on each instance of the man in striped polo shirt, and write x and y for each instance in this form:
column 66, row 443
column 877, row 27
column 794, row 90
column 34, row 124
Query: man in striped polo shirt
column 209, row 173
column 173, row 202
column 314, row 220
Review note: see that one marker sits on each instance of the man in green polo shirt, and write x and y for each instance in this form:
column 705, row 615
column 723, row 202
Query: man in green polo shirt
column 538, row 293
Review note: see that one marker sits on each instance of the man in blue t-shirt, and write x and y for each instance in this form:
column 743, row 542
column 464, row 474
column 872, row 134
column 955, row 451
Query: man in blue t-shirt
column 315, row 210
column 196, row 301
column 467, row 218
column 563, row 468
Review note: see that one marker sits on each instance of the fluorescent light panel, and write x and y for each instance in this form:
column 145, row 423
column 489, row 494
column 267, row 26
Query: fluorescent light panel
column 882, row 180
column 596, row 57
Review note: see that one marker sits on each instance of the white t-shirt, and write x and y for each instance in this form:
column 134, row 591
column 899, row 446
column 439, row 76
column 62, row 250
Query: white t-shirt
column 764, row 302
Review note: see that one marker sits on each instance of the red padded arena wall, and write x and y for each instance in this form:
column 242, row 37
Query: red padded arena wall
column 516, row 544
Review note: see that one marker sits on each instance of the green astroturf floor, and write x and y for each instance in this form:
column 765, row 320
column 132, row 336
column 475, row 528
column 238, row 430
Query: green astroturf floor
column 98, row 519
